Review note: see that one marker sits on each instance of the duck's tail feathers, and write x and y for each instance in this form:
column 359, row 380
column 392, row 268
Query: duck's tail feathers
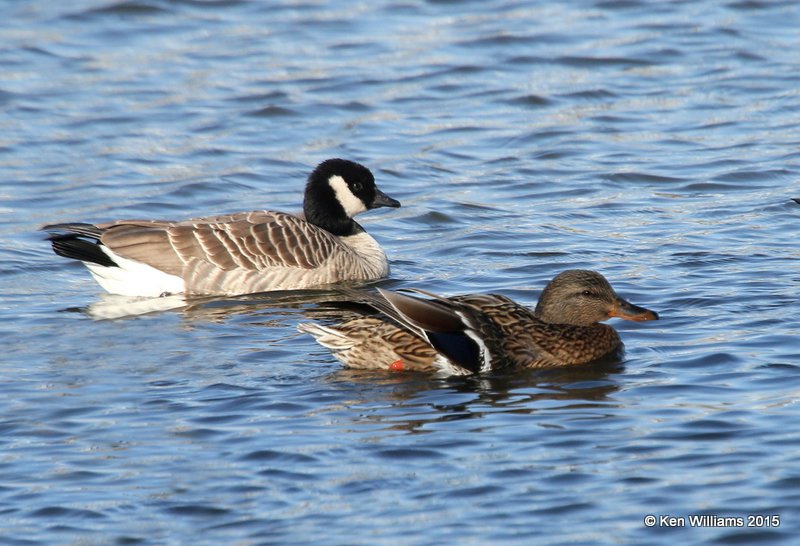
column 330, row 338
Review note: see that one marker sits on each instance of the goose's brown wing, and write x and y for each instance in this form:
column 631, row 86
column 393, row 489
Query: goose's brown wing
column 249, row 240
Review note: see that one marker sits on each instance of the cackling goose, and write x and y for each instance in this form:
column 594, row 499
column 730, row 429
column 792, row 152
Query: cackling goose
column 239, row 253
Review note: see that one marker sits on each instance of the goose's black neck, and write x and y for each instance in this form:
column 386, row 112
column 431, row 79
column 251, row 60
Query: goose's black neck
column 322, row 209
column 341, row 227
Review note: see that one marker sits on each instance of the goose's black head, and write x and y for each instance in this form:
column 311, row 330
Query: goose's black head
column 339, row 189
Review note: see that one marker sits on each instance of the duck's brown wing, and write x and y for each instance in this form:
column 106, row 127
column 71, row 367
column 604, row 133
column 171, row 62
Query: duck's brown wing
column 461, row 332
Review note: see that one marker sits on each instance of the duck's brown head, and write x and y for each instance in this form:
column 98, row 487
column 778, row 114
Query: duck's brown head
column 582, row 297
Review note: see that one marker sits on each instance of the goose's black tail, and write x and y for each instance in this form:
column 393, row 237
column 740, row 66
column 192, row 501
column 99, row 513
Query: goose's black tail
column 78, row 242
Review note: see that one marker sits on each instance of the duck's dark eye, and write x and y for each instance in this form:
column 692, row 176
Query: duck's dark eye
column 587, row 293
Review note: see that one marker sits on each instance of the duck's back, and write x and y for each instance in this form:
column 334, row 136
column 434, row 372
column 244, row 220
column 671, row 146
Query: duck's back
column 525, row 340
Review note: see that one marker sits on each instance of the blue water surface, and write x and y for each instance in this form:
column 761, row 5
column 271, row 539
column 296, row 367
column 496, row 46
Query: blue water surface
column 656, row 142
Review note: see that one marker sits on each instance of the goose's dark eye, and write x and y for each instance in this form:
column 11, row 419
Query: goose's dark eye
column 357, row 186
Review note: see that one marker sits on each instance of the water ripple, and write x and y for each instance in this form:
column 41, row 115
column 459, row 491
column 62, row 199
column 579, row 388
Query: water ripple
column 655, row 142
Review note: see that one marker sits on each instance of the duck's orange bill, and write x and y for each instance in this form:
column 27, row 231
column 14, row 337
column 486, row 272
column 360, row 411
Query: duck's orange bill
column 624, row 310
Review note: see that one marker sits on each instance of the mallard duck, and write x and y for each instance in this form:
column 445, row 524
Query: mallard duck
column 239, row 253
column 479, row 333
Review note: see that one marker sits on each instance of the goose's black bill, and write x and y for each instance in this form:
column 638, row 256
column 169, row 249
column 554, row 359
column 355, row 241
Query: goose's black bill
column 383, row 200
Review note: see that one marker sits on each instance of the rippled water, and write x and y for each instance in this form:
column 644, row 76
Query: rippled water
column 657, row 142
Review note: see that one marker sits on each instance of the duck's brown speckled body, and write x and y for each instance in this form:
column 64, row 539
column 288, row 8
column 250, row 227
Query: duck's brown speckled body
column 484, row 332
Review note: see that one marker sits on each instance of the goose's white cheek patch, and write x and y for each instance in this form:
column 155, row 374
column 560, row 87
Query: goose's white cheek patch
column 352, row 205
